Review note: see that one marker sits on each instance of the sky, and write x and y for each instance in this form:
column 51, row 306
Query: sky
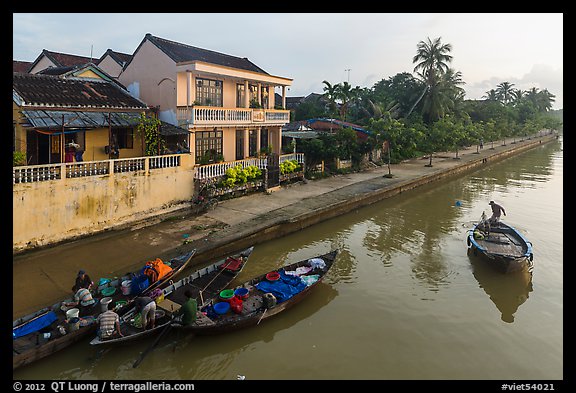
column 524, row 49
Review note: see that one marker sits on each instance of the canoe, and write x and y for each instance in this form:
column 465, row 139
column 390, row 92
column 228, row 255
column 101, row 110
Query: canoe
column 262, row 297
column 203, row 283
column 502, row 246
column 40, row 334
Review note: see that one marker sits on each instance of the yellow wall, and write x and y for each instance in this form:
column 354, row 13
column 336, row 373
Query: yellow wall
column 89, row 74
column 57, row 210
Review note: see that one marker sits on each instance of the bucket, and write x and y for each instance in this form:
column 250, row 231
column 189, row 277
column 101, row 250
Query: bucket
column 72, row 313
column 73, row 324
column 104, row 303
column 226, row 295
column 241, row 293
column 126, row 286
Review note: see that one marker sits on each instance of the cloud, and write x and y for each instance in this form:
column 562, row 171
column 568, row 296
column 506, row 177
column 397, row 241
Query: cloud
column 541, row 76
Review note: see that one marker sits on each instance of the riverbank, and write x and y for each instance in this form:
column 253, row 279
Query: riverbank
column 235, row 223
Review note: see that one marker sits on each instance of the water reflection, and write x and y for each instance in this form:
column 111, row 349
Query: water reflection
column 507, row 291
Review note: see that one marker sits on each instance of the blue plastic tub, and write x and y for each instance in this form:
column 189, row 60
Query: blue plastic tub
column 221, row 307
column 242, row 293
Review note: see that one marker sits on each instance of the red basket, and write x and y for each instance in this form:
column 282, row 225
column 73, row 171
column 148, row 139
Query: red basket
column 272, row 276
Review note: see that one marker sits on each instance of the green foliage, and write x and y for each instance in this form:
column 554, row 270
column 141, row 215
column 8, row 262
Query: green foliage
column 238, row 175
column 18, row 158
column 210, row 157
column 289, row 166
column 149, row 127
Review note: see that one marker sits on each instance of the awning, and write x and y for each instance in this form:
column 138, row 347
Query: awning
column 300, row 134
column 167, row 129
column 80, row 119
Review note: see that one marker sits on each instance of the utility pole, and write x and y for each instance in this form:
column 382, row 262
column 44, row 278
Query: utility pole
column 348, row 69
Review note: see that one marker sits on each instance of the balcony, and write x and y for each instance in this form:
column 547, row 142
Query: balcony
column 196, row 116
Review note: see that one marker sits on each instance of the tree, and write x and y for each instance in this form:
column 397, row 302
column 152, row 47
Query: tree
column 504, row 92
column 331, row 94
column 432, row 60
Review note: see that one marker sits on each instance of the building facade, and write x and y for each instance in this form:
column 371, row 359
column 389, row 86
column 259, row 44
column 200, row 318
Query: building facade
column 226, row 102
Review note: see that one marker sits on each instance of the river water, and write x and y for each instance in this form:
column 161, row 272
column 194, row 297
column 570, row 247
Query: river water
column 404, row 300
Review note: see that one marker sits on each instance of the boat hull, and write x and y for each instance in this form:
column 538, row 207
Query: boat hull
column 254, row 309
column 503, row 247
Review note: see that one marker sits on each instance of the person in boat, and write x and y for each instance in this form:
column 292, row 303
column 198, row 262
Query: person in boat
column 497, row 210
column 83, row 280
column 84, row 301
column 186, row 314
column 484, row 225
column 147, row 307
column 109, row 324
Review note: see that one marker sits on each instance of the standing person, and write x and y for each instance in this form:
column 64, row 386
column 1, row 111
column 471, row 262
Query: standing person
column 188, row 310
column 147, row 307
column 109, row 323
column 83, row 280
column 497, row 210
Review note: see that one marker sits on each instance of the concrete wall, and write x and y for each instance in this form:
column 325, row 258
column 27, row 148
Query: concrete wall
column 145, row 78
column 48, row 212
column 110, row 66
column 42, row 65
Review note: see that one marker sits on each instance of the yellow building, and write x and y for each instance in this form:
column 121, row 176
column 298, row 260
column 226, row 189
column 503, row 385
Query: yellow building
column 62, row 109
column 226, row 102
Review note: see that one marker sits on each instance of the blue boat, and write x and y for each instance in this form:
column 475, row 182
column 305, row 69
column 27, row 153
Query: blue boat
column 501, row 245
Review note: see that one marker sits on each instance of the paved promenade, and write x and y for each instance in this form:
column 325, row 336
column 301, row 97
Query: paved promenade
column 240, row 222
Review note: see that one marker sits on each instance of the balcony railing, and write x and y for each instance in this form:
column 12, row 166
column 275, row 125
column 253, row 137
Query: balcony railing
column 214, row 116
column 38, row 173
column 216, row 170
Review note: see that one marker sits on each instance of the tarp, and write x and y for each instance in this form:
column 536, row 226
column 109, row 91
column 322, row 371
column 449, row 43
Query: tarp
column 34, row 325
column 283, row 288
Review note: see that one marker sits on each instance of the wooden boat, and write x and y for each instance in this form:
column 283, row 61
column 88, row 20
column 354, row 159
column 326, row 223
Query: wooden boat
column 203, row 283
column 266, row 296
column 48, row 330
column 501, row 245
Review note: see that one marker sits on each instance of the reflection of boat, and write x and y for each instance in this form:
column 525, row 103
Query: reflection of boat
column 208, row 281
column 46, row 331
column 502, row 246
column 508, row 291
column 262, row 297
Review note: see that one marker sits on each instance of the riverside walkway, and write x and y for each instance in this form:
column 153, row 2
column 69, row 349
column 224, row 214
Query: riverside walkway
column 240, row 222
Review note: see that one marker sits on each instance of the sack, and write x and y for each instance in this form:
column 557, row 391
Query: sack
column 156, row 270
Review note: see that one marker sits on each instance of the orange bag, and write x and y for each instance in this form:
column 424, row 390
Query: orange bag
column 156, row 270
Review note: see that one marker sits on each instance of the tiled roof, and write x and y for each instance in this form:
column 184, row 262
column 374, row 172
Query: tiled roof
column 20, row 66
column 54, row 92
column 64, row 59
column 118, row 57
column 182, row 52
column 56, row 70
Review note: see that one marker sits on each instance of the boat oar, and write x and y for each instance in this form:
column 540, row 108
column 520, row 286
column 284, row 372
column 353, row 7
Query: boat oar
column 262, row 316
column 151, row 347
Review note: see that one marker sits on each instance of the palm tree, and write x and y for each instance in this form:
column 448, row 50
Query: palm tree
column 517, row 96
column 491, row 95
column 432, row 59
column 504, row 91
column 345, row 93
column 545, row 100
column 331, row 94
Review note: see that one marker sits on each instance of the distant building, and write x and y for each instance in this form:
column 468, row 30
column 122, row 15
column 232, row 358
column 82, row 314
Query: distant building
column 114, row 62
column 48, row 59
column 20, row 66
